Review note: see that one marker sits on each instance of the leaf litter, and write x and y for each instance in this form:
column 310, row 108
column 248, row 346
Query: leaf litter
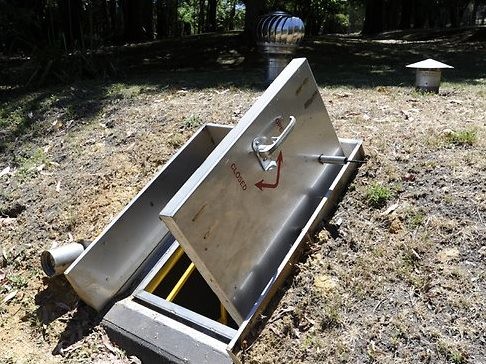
column 382, row 284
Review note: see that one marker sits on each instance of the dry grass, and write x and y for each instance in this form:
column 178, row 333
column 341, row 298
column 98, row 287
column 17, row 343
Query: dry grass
column 399, row 280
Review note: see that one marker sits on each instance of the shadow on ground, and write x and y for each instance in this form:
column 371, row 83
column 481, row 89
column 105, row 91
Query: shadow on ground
column 212, row 60
column 58, row 301
column 223, row 60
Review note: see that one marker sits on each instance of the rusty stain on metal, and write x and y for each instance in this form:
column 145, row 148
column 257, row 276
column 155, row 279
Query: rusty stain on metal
column 199, row 212
column 311, row 99
column 297, row 92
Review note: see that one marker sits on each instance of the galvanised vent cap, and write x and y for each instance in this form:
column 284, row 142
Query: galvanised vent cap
column 429, row 64
column 428, row 74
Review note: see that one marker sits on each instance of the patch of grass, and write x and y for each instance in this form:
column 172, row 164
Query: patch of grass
column 124, row 91
column 11, row 116
column 18, row 113
column 377, row 195
column 415, row 219
column 451, row 352
column 331, row 318
column 69, row 218
column 17, row 281
column 23, row 114
column 27, row 165
column 461, row 138
column 176, row 140
column 192, row 122
column 312, row 341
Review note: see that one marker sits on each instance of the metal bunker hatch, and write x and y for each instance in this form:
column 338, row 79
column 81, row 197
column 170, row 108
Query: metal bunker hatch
column 236, row 205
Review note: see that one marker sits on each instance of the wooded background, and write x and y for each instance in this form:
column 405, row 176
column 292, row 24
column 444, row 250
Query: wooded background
column 29, row 25
column 49, row 41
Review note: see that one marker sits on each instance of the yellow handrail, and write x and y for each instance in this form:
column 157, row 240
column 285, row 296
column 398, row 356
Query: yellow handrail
column 159, row 277
column 223, row 318
column 172, row 295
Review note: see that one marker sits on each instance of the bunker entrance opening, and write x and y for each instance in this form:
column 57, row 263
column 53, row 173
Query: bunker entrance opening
column 179, row 282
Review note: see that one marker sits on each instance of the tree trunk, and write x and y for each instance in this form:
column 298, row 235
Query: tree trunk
column 406, row 15
column 373, row 23
column 392, row 11
column 162, row 26
column 419, row 17
column 167, row 17
column 474, row 13
column 201, row 17
column 307, row 14
column 211, row 19
column 70, row 11
column 147, row 19
column 132, row 14
column 231, row 17
column 254, row 10
column 453, row 15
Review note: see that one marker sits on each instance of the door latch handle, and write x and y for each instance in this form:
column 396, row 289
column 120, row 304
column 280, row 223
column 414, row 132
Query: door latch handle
column 263, row 149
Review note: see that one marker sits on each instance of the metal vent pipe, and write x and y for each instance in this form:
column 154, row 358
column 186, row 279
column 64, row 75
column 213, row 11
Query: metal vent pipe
column 278, row 35
column 56, row 260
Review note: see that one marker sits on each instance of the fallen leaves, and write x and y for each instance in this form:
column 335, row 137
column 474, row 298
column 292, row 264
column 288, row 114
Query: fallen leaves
column 5, row 171
column 396, row 225
column 6, row 221
column 448, row 254
column 107, row 343
column 9, row 296
column 326, row 283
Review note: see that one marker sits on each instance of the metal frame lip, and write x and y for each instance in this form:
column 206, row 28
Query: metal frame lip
column 183, row 315
column 352, row 148
column 173, row 310
column 173, row 341
column 152, row 273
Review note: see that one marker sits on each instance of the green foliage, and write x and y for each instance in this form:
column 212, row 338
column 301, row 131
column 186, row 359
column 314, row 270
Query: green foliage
column 230, row 14
column 11, row 116
column 17, row 281
column 28, row 165
column 18, row 115
column 227, row 20
column 331, row 318
column 123, row 91
column 415, row 219
column 188, row 13
column 192, row 122
column 336, row 23
column 463, row 137
column 328, row 16
column 377, row 195
column 451, row 352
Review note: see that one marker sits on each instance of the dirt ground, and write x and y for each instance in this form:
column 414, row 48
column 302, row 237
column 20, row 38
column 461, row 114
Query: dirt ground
column 398, row 274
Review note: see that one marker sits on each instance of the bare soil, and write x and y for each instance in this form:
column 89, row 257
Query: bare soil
column 397, row 275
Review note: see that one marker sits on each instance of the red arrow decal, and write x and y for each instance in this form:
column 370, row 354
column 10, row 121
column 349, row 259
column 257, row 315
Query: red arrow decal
column 261, row 185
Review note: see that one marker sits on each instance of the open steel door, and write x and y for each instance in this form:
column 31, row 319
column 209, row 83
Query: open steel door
column 238, row 215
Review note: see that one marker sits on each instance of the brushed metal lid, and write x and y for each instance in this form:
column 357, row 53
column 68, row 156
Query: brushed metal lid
column 237, row 216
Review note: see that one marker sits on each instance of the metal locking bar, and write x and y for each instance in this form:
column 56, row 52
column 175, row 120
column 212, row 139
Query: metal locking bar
column 335, row 159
